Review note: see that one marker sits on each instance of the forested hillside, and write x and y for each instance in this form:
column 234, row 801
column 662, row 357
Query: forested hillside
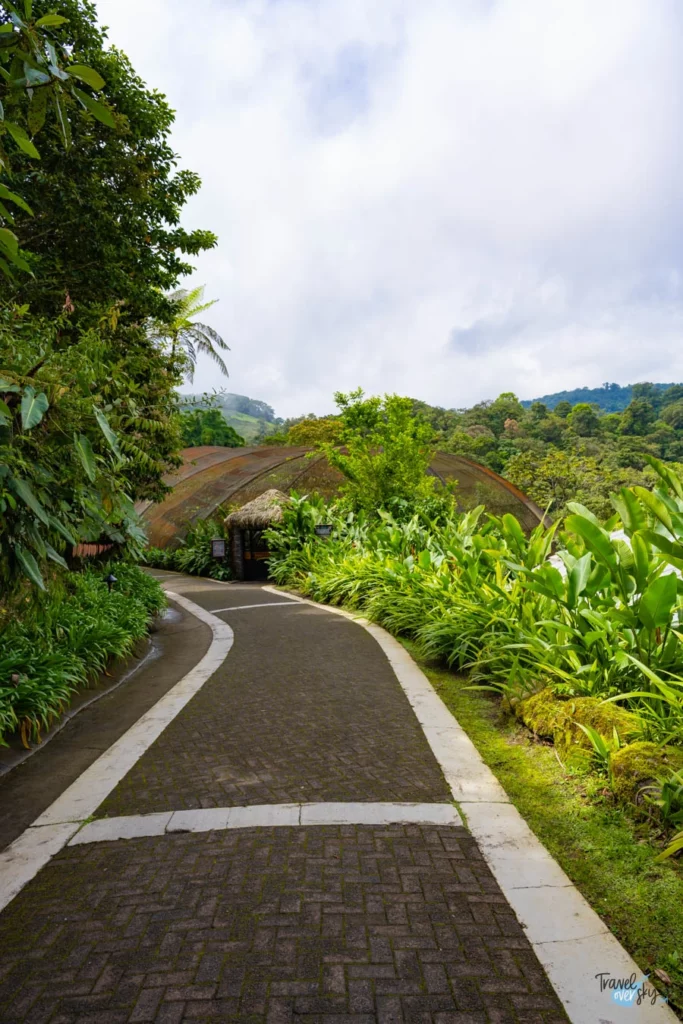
column 610, row 397
column 570, row 452
column 250, row 418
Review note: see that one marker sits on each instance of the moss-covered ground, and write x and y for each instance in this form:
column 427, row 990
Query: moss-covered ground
column 608, row 856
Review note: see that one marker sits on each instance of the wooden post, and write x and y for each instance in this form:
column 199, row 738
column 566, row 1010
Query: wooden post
column 237, row 552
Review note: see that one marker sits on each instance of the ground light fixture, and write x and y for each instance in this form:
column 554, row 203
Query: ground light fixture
column 110, row 580
column 218, row 548
column 323, row 530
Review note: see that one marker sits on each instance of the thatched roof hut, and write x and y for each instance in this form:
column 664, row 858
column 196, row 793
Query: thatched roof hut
column 248, row 549
column 260, row 513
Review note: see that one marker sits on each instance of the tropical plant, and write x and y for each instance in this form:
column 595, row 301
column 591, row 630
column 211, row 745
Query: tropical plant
column 39, row 73
column 187, row 335
column 194, row 556
column 385, row 450
column 61, row 644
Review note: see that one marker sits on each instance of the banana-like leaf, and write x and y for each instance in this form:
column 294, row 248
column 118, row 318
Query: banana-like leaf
column 595, row 538
column 657, row 603
column 656, row 506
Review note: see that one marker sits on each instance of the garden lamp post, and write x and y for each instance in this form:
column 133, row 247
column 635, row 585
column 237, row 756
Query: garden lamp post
column 110, row 580
column 323, row 530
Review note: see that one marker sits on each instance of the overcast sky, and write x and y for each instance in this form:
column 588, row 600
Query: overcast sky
column 441, row 198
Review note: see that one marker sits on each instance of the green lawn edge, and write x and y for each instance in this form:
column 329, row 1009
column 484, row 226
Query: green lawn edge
column 601, row 849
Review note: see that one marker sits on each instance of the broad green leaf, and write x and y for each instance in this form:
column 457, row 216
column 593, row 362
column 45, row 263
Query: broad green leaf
column 657, row 603
column 86, row 455
column 33, row 408
column 55, row 556
column 96, row 108
column 657, row 507
column 50, row 21
column 630, row 510
column 37, row 110
column 642, row 561
column 9, row 241
column 661, row 543
column 29, row 565
column 595, row 539
column 581, row 510
column 23, row 489
column 107, row 431
column 667, row 474
column 5, row 413
column 87, row 75
column 22, row 140
column 577, row 578
column 5, row 386
column 28, row 9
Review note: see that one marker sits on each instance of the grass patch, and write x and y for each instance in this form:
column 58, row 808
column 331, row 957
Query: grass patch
column 604, row 852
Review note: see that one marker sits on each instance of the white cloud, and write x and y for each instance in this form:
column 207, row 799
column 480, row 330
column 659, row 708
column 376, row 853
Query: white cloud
column 448, row 198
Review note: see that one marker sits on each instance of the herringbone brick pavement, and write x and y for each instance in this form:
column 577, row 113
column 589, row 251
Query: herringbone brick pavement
column 329, row 924
column 305, row 709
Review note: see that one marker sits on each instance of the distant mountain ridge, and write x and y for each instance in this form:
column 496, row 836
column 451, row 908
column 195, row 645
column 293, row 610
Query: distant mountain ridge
column 251, row 418
column 610, row 397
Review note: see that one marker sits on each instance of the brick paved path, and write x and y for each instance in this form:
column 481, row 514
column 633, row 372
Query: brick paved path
column 323, row 924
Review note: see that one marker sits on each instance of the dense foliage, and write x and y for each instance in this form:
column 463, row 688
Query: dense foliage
column 572, row 452
column 194, row 556
column 382, row 450
column 608, row 398
column 598, row 619
column 88, row 401
column 64, row 642
column 208, row 426
column 90, row 204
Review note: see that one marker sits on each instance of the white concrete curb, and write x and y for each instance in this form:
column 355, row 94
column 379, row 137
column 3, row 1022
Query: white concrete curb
column 53, row 829
column 572, row 943
column 264, row 816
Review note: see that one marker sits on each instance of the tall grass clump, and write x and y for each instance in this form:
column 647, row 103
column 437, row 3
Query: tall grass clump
column 64, row 639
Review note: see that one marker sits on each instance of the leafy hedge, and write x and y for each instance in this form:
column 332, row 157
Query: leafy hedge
column 66, row 640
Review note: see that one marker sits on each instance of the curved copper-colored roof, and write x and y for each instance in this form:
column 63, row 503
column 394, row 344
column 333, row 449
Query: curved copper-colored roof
column 211, row 477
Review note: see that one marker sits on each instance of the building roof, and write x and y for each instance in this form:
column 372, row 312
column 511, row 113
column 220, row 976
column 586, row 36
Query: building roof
column 266, row 510
column 212, row 478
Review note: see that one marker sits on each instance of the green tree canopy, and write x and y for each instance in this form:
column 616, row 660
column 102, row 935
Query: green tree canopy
column 386, row 450
column 208, row 426
column 105, row 229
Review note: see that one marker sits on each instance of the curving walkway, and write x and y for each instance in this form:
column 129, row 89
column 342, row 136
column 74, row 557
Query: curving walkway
column 274, row 841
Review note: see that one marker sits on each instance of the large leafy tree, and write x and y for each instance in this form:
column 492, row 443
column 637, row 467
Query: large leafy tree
column 88, row 401
column 386, row 450
column 105, row 228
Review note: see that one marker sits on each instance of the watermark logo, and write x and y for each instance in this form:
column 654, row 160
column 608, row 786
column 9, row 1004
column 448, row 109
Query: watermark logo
column 631, row 991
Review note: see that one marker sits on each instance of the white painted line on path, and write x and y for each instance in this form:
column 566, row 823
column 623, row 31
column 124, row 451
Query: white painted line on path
column 571, row 941
column 264, row 816
column 263, row 604
column 51, row 831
